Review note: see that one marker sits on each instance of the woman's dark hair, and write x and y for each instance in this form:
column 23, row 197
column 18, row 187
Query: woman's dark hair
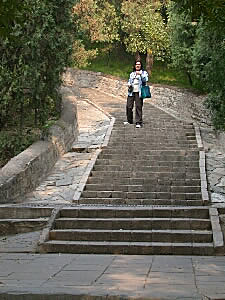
column 142, row 67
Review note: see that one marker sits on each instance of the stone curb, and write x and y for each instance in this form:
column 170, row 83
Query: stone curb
column 45, row 232
column 203, row 177
column 202, row 166
column 218, row 241
column 90, row 166
column 98, row 107
column 26, row 170
column 198, row 137
column 85, row 176
column 108, row 133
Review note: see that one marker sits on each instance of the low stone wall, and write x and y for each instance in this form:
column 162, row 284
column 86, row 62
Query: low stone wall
column 26, row 170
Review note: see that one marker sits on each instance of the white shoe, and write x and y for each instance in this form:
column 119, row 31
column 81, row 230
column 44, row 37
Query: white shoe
column 126, row 123
column 138, row 126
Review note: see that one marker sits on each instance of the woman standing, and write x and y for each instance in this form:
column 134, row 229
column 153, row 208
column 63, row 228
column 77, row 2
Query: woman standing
column 137, row 78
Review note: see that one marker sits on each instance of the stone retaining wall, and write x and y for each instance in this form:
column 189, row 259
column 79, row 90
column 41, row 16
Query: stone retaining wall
column 26, row 170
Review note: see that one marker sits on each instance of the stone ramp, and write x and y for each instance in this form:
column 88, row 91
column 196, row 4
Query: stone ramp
column 147, row 193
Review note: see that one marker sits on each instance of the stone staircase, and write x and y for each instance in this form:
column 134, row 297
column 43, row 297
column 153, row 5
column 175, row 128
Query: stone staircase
column 132, row 230
column 143, row 195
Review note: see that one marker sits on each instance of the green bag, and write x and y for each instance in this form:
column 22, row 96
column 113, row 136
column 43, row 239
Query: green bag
column 145, row 92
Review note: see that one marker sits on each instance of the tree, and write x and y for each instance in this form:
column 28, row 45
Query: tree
column 97, row 27
column 33, row 58
column 145, row 30
column 182, row 38
column 210, row 10
column 206, row 53
column 208, row 66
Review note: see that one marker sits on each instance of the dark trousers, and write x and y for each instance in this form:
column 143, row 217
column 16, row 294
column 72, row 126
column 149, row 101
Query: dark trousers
column 138, row 108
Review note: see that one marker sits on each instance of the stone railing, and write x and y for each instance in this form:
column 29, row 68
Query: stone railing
column 26, row 170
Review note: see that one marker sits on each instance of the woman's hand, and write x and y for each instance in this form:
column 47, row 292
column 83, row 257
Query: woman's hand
column 139, row 72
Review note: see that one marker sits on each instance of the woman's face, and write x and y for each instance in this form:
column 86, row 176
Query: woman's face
column 138, row 66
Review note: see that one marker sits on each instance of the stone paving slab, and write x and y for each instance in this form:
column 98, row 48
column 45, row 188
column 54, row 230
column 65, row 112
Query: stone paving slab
column 19, row 243
column 81, row 276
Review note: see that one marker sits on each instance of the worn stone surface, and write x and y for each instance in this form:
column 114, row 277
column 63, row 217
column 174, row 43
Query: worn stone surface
column 19, row 243
column 111, row 276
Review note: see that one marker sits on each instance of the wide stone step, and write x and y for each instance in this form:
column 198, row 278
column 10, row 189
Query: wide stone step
column 175, row 236
column 155, row 147
column 155, row 152
column 122, row 143
column 14, row 226
column 148, row 132
column 157, row 137
column 133, row 223
column 24, row 212
column 109, row 175
column 142, row 195
column 154, row 131
column 157, row 124
column 126, row 201
column 146, row 142
column 147, row 163
column 144, row 168
column 198, row 212
column 148, row 158
column 142, row 188
column 135, row 248
column 146, row 181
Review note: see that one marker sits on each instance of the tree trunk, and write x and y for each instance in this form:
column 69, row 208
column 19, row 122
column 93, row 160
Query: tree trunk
column 137, row 56
column 149, row 62
column 189, row 78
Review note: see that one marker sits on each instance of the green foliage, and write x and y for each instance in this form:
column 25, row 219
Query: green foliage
column 210, row 10
column 33, row 56
column 209, row 67
column 10, row 11
column 200, row 49
column 144, row 29
column 12, row 143
column 182, row 38
column 96, row 24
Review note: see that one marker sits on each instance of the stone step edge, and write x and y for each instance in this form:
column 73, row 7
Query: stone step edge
column 116, row 219
column 172, row 231
column 17, row 226
column 133, row 243
column 126, row 235
column 133, row 207
column 138, row 248
column 18, row 220
column 24, row 212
